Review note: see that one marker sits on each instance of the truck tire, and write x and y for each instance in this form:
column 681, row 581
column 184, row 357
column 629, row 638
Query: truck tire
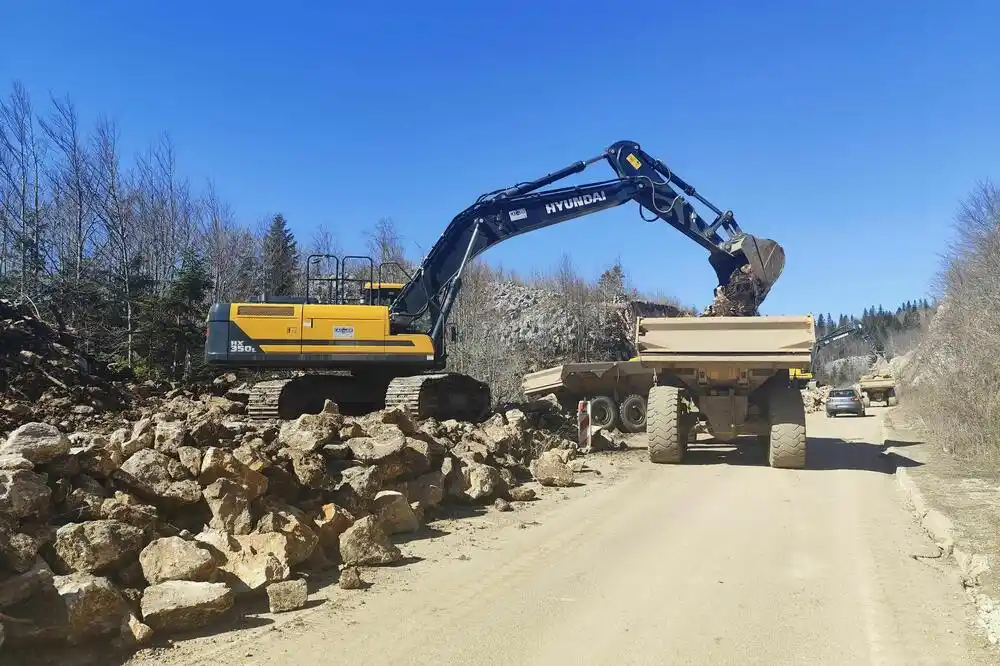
column 603, row 412
column 667, row 437
column 632, row 413
column 787, row 416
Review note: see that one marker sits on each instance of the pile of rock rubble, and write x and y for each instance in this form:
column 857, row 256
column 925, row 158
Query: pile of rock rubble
column 45, row 377
column 165, row 524
column 815, row 398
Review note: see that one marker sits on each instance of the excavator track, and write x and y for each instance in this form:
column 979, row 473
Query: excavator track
column 439, row 395
column 442, row 396
column 265, row 398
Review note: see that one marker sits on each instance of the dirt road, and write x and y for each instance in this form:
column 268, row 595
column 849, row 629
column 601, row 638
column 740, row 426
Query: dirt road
column 719, row 561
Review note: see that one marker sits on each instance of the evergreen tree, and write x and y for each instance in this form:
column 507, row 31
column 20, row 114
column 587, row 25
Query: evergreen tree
column 279, row 259
column 611, row 284
column 821, row 322
column 171, row 332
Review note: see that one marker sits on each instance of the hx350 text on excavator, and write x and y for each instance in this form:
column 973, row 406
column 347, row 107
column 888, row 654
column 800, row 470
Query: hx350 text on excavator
column 393, row 351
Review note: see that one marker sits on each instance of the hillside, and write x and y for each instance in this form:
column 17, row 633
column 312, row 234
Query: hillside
column 895, row 331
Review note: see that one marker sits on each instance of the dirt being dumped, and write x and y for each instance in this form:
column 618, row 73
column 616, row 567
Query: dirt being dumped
column 739, row 298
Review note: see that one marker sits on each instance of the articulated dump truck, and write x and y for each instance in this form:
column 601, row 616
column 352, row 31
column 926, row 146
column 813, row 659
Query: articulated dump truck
column 728, row 376
column 878, row 387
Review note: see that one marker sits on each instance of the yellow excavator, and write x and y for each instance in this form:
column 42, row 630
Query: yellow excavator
column 366, row 342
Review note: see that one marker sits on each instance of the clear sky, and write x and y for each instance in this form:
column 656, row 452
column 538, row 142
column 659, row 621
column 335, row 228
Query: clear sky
column 845, row 130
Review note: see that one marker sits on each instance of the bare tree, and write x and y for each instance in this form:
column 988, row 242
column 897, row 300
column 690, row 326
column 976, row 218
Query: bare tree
column 116, row 204
column 72, row 188
column 21, row 157
column 952, row 377
column 230, row 250
column 385, row 244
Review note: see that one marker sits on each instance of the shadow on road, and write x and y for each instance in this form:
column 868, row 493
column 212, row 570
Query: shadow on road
column 823, row 453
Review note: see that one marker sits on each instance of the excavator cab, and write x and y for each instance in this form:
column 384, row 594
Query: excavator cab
column 380, row 293
column 353, row 280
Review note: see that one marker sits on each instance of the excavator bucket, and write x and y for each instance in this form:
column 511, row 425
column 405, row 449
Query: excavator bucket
column 748, row 272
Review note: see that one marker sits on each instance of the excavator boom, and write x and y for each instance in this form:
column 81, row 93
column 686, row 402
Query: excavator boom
column 746, row 266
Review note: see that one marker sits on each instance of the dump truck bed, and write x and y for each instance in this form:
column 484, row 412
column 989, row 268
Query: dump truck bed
column 766, row 342
column 583, row 378
column 873, row 383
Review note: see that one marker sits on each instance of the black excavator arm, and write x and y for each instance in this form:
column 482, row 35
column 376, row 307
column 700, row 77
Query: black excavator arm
column 426, row 300
column 846, row 331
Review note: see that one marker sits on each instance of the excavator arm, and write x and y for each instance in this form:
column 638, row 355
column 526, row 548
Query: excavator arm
column 846, row 331
column 503, row 214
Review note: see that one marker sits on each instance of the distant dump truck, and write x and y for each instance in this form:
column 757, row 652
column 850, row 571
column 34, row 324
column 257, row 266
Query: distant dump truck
column 732, row 375
column 878, row 387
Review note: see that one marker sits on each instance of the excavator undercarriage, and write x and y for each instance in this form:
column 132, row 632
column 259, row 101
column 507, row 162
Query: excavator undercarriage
column 438, row 395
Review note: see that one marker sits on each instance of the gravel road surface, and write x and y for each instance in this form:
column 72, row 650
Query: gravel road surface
column 719, row 561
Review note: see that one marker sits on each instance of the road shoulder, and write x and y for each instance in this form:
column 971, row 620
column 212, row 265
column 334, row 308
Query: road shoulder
column 956, row 505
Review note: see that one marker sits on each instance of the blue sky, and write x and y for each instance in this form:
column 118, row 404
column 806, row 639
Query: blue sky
column 847, row 131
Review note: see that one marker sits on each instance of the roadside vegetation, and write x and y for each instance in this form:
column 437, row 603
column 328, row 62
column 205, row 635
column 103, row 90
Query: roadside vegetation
column 953, row 378
column 129, row 252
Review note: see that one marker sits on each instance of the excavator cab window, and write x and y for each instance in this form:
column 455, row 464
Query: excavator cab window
column 380, row 293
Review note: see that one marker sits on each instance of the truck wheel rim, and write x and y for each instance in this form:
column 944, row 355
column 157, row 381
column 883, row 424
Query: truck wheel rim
column 636, row 414
column 600, row 414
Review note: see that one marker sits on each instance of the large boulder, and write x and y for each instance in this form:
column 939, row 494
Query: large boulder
column 310, row 469
column 168, row 436
column 287, row 595
column 94, row 606
column 38, row 442
column 475, row 482
column 174, row 558
column 248, row 562
column 230, row 507
column 394, row 513
column 427, row 489
column 549, row 469
column 179, row 605
column 300, row 531
column 210, row 429
column 96, row 546
column 217, row 463
column 365, row 544
column 14, row 461
column 311, row 432
column 127, row 509
column 18, row 550
column 23, row 493
column 387, row 452
column 17, row 588
column 147, row 473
